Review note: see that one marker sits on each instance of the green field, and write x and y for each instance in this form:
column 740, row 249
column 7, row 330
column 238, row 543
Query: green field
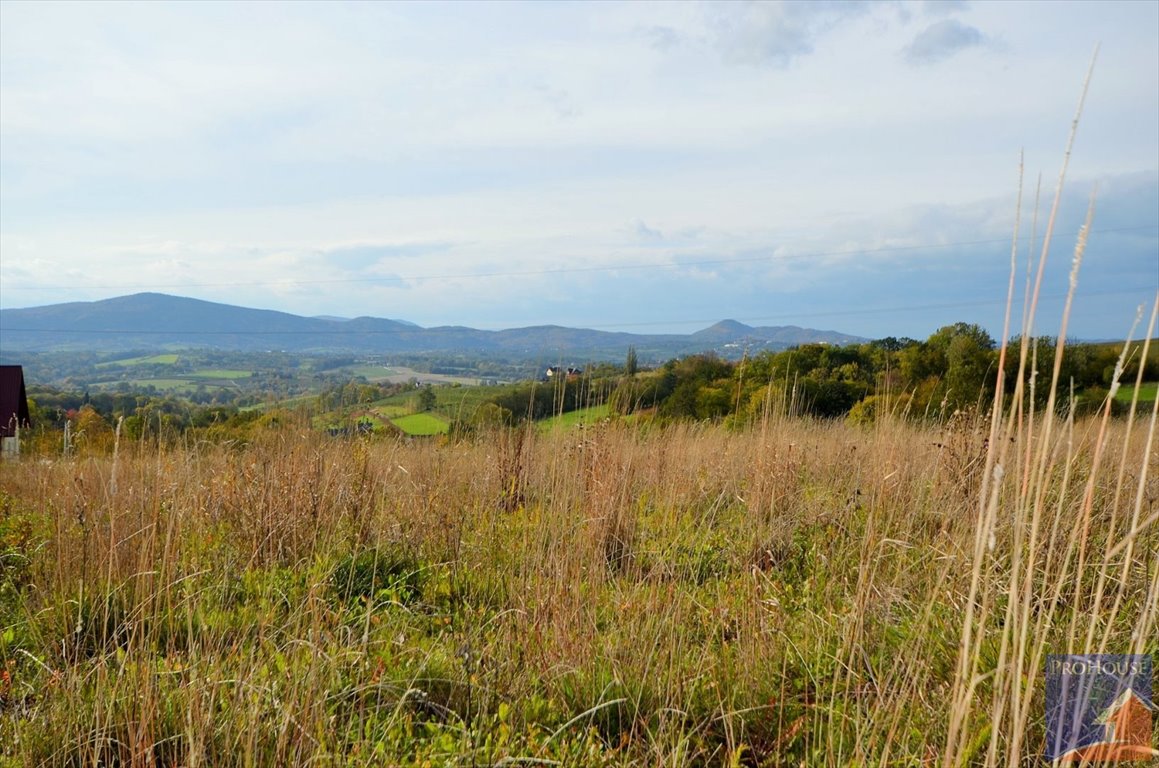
column 421, row 424
column 208, row 377
column 168, row 359
column 392, row 411
column 575, row 418
column 177, row 385
column 220, row 373
column 402, row 374
column 287, row 403
column 1147, row 393
column 372, row 373
column 451, row 402
column 180, row 384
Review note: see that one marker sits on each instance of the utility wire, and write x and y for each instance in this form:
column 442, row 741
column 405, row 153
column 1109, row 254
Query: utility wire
column 340, row 328
column 562, row 270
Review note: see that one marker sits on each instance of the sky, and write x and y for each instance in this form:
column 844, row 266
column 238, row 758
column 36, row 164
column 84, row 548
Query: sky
column 648, row 167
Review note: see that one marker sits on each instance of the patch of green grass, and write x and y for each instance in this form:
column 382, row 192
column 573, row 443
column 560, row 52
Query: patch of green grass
column 450, row 401
column 421, row 424
column 221, row 373
column 168, row 359
column 183, row 385
column 1147, row 393
column 462, row 402
column 179, row 385
column 371, row 372
column 575, row 418
column 289, row 402
column 401, row 374
column 207, row 377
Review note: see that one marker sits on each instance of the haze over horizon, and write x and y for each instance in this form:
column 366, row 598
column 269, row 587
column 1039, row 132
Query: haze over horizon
column 642, row 167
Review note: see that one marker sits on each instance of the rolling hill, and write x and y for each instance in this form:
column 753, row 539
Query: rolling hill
column 147, row 321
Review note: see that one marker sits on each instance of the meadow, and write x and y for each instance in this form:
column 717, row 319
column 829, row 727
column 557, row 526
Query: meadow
column 790, row 592
column 1147, row 393
column 579, row 417
column 129, row 362
column 420, row 424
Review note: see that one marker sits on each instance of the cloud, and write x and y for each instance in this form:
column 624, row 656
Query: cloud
column 943, row 7
column 559, row 100
column 324, row 145
column 903, row 271
column 941, row 40
column 361, row 256
column 646, row 233
column 776, row 33
column 661, row 38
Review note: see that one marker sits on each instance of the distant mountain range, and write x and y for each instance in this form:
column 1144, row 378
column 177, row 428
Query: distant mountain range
column 147, row 321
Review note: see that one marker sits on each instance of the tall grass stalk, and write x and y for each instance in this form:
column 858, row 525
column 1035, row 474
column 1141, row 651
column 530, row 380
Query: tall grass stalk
column 1034, row 544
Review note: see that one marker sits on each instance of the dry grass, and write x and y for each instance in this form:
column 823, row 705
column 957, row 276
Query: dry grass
column 688, row 595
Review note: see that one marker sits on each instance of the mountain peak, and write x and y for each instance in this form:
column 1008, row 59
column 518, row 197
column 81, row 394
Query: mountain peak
column 732, row 325
column 725, row 329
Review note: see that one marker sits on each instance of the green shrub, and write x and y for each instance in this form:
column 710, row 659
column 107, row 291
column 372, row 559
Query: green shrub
column 378, row 574
column 868, row 410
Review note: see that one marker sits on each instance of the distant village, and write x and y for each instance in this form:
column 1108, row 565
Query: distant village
column 555, row 372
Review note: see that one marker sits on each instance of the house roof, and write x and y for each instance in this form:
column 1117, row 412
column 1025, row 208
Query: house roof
column 1123, row 699
column 1131, row 711
column 13, row 400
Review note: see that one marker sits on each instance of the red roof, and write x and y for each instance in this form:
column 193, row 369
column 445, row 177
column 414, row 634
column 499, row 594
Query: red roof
column 1126, row 733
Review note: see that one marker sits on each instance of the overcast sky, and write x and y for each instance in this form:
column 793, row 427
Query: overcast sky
column 639, row 166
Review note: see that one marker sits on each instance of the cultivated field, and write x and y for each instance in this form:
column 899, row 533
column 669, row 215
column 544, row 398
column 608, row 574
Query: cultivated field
column 790, row 593
column 582, row 416
column 166, row 359
column 420, row 424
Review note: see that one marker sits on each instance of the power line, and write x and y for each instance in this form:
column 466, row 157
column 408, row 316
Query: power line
column 339, row 331
column 566, row 270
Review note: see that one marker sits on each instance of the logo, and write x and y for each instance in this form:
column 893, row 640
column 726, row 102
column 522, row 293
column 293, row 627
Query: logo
column 1099, row 708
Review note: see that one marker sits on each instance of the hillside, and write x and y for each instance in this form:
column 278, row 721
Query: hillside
column 146, row 321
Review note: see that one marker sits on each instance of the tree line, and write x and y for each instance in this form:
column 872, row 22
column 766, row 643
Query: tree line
column 954, row 369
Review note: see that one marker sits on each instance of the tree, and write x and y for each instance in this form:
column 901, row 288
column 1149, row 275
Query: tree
column 828, row 398
column 968, row 370
column 427, row 398
column 91, row 430
column 631, row 365
column 954, row 364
